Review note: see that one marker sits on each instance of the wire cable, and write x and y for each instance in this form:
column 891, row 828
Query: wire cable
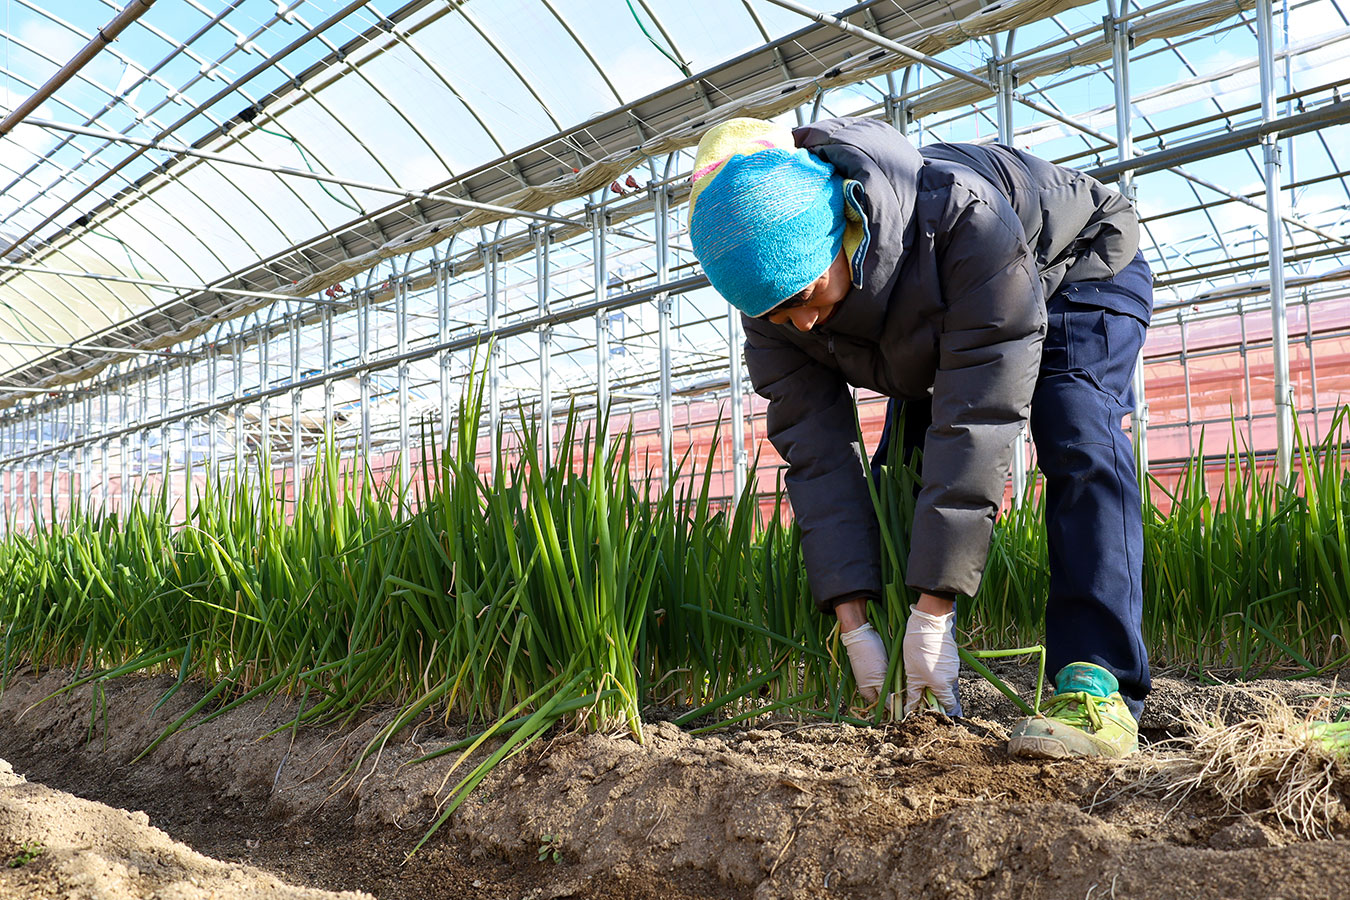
column 305, row 156
column 678, row 64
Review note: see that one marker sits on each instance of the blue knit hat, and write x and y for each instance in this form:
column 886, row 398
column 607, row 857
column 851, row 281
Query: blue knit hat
column 766, row 223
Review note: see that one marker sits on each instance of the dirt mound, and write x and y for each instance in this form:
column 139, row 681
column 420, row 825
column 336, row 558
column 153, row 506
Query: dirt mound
column 927, row 808
column 57, row 845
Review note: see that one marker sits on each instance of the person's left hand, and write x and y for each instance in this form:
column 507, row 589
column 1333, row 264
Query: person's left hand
column 931, row 660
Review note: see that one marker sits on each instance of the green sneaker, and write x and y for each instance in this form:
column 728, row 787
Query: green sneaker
column 1086, row 717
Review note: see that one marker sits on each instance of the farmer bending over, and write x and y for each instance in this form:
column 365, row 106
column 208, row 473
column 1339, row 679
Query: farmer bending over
column 970, row 284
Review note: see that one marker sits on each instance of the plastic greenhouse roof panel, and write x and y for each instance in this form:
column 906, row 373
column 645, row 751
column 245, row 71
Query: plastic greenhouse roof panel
column 487, row 95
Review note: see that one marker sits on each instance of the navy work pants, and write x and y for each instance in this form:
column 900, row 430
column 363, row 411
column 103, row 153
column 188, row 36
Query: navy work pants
column 1093, row 511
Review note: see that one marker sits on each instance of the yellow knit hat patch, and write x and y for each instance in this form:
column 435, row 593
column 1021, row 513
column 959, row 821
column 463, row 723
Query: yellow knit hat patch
column 733, row 137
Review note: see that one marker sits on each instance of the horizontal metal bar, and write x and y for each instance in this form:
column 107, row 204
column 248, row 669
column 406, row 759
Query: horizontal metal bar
column 150, row 282
column 102, row 38
column 1248, row 201
column 1260, row 286
column 1094, row 29
column 934, row 63
column 13, row 242
column 118, row 137
column 894, row 46
column 576, row 313
column 1332, row 113
column 99, row 348
column 32, row 390
column 1252, row 263
column 1336, row 112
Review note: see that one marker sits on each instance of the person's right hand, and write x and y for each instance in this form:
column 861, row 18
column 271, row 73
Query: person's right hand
column 867, row 655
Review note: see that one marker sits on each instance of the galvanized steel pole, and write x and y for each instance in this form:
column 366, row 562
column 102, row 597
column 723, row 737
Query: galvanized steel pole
column 297, row 440
column 25, row 509
column 664, row 314
column 265, row 403
column 105, row 489
column 236, row 375
column 213, row 419
column 143, row 462
column 124, row 455
column 443, row 337
column 401, row 332
column 1243, row 347
column 50, row 494
column 1118, row 32
column 86, row 454
column 15, row 478
column 10, row 489
column 491, row 256
column 71, row 457
column 541, row 287
column 41, row 467
column 1183, row 327
column 1001, row 74
column 165, row 450
column 43, row 497
column 363, row 356
column 327, row 322
column 5, row 513
column 1312, row 360
column 1284, row 405
column 187, row 432
column 601, row 326
column 738, row 454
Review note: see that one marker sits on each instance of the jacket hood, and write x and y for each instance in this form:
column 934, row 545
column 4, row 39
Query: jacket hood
column 886, row 167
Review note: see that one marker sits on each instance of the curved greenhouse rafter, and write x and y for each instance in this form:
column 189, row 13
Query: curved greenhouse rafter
column 940, row 10
column 595, row 291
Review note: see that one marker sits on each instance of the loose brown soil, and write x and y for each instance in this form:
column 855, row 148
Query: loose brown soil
column 927, row 808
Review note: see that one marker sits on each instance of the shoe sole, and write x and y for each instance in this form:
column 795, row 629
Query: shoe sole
column 1039, row 747
column 1045, row 747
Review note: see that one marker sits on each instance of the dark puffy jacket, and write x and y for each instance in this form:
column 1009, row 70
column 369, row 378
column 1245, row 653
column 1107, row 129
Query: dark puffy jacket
column 964, row 243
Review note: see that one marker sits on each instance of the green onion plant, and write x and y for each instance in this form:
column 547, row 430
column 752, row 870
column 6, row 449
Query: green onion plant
column 587, row 590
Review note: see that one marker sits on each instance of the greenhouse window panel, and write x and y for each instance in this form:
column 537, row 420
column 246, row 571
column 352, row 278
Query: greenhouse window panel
column 377, row 55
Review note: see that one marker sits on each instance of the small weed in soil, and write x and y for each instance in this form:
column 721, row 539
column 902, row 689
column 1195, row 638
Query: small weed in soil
column 550, row 848
column 30, row 851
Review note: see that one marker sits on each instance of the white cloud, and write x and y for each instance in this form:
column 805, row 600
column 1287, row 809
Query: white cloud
column 50, row 39
column 638, row 70
column 418, row 171
column 17, row 148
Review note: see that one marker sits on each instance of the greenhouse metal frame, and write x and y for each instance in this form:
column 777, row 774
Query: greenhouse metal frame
column 188, row 292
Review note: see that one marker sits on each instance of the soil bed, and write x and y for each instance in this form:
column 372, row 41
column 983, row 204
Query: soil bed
column 927, row 808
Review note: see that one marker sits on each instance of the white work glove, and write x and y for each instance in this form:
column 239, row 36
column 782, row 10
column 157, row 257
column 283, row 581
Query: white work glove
column 930, row 660
column 867, row 655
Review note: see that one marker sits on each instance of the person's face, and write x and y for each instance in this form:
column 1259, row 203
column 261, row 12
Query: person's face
column 817, row 302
